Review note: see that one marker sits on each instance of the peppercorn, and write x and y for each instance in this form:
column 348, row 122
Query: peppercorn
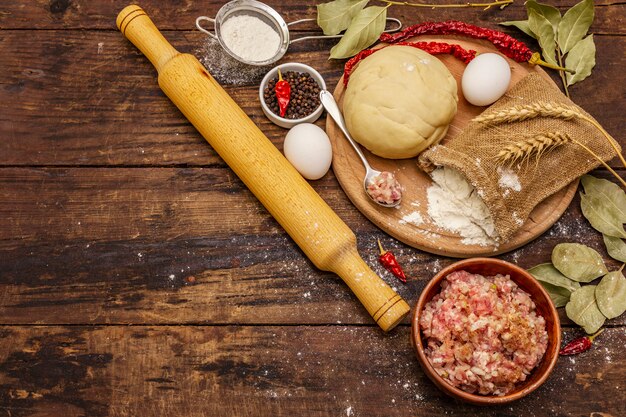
column 304, row 95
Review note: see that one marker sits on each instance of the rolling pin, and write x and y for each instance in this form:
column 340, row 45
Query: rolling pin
column 312, row 224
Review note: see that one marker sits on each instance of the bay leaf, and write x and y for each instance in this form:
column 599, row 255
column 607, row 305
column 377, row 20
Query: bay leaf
column 574, row 25
column 600, row 216
column 542, row 27
column 521, row 25
column 583, row 310
column 363, row 31
column 559, row 295
column 616, row 247
column 335, row 16
column 552, row 14
column 547, row 273
column 611, row 294
column 582, row 59
column 613, row 195
column 578, row 262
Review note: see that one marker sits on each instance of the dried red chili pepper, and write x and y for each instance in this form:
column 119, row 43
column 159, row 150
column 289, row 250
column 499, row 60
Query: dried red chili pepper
column 433, row 48
column 508, row 45
column 283, row 94
column 579, row 345
column 389, row 261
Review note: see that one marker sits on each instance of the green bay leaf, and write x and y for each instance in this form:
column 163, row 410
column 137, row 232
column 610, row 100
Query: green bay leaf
column 582, row 59
column 552, row 14
column 616, row 247
column 521, row 25
column 574, row 25
column 600, row 216
column 363, row 31
column 547, row 273
column 335, row 16
column 583, row 309
column 611, row 193
column 559, row 295
column 611, row 294
column 542, row 27
column 578, row 262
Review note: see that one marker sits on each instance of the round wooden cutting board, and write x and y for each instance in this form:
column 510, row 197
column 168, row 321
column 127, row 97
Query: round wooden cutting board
column 425, row 235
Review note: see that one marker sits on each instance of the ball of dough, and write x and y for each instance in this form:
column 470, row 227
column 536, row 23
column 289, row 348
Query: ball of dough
column 399, row 101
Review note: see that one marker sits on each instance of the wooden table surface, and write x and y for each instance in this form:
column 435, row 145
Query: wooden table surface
column 139, row 277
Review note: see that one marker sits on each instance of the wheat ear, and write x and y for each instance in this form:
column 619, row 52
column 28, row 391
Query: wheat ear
column 535, row 145
column 541, row 109
column 528, row 111
column 538, row 144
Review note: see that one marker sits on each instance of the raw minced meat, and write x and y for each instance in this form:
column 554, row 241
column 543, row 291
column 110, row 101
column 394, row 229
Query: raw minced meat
column 384, row 188
column 483, row 334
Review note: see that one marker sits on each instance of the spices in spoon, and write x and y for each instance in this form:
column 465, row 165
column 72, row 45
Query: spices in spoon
column 283, row 94
column 389, row 261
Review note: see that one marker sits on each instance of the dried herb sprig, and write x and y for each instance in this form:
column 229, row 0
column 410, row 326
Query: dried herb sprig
column 486, row 6
column 563, row 39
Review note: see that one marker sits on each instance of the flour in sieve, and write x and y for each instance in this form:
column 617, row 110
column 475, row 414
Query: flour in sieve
column 250, row 38
column 454, row 205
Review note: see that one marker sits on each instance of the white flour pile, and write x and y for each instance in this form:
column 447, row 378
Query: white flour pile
column 455, row 206
column 413, row 218
column 508, row 181
column 250, row 38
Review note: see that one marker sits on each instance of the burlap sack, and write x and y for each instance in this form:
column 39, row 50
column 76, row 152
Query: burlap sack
column 474, row 153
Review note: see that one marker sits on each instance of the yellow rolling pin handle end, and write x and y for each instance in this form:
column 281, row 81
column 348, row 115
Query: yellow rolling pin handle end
column 145, row 36
column 385, row 306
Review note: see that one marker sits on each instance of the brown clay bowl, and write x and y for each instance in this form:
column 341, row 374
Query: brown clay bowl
column 490, row 267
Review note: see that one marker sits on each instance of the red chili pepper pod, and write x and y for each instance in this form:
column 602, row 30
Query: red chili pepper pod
column 508, row 45
column 579, row 345
column 389, row 261
column 283, row 94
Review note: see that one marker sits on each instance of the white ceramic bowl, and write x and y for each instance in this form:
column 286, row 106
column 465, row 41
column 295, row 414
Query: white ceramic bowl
column 273, row 73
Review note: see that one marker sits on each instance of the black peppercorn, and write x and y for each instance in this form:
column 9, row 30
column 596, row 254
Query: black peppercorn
column 304, row 95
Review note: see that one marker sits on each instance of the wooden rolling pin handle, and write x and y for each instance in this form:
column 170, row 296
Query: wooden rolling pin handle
column 145, row 36
column 385, row 306
column 314, row 226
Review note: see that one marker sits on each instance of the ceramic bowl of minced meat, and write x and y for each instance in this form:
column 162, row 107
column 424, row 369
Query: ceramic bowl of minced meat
column 485, row 331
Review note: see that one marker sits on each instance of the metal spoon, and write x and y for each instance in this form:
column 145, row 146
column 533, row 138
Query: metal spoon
column 329, row 103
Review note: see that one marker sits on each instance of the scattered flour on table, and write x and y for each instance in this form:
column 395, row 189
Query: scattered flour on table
column 454, row 205
column 508, row 180
column 413, row 218
column 227, row 70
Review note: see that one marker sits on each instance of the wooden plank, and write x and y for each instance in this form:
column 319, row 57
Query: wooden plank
column 267, row 371
column 84, row 14
column 120, row 245
column 90, row 98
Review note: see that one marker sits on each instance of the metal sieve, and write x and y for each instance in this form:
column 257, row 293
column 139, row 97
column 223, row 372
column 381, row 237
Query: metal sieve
column 268, row 15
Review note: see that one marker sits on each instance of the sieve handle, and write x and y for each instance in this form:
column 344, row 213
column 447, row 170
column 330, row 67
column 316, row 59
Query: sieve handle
column 304, row 38
column 201, row 29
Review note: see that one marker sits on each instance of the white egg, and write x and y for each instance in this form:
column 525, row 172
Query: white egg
column 308, row 149
column 485, row 79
